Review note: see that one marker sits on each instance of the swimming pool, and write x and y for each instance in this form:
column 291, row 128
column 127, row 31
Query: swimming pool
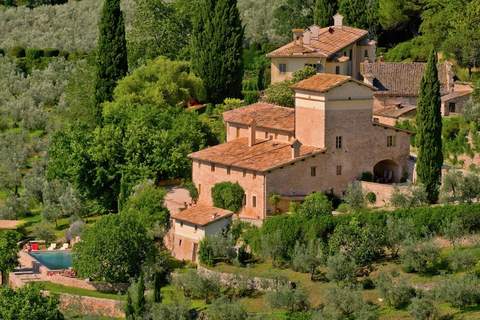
column 55, row 260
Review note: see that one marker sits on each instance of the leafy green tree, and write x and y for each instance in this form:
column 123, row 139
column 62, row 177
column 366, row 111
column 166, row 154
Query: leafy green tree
column 113, row 249
column 289, row 299
column 224, row 309
column 217, row 39
column 323, row 12
column 60, row 200
column 158, row 28
column 139, row 303
column 292, row 14
column 14, row 154
column 360, row 14
column 429, row 131
column 342, row 269
column 28, row 303
column 178, row 310
column 228, row 195
column 423, row 308
column 401, row 15
column 129, row 311
column 396, row 292
column 307, row 258
column 157, row 287
column 112, row 62
column 44, row 231
column 354, row 196
column 8, row 253
column 314, row 205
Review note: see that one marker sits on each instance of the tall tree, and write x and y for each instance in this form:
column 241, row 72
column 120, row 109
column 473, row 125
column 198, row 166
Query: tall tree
column 112, row 62
column 361, row 14
column 429, row 131
column 293, row 14
column 217, row 40
column 8, row 253
column 323, row 12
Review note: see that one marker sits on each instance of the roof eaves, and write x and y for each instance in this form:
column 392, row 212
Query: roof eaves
column 306, row 156
column 392, row 128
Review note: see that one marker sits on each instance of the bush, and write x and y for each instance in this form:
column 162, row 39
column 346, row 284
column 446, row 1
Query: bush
column 251, row 97
column 423, row 258
column 461, row 260
column 366, row 176
column 303, row 74
column 396, row 292
column 50, row 52
column 423, row 309
column 197, row 287
column 343, row 303
column 17, row 52
column 306, row 258
column 228, row 195
column 288, row 299
column 281, row 94
column 368, row 284
column 354, row 196
column 2, row 52
column 371, row 198
column 224, row 309
column 341, row 269
column 34, row 54
column 462, row 291
column 315, row 204
column 216, row 248
column 44, row 231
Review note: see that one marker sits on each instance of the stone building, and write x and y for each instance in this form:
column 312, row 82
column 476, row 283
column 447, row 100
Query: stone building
column 337, row 49
column 327, row 141
column 398, row 86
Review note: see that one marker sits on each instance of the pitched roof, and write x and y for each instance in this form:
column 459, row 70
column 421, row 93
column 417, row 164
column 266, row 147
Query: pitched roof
column 320, row 42
column 324, row 82
column 386, row 126
column 202, row 215
column 394, row 111
column 266, row 115
column 400, row 79
column 263, row 156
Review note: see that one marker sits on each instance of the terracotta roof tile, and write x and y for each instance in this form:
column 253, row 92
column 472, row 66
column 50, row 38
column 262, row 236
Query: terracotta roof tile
column 202, row 215
column 324, row 82
column 266, row 115
column 263, row 156
column 324, row 42
column 400, row 79
column 394, row 111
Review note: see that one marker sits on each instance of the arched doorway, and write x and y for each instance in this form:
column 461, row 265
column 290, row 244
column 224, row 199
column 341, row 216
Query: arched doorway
column 387, row 171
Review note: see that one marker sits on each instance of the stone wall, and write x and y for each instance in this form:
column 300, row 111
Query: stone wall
column 92, row 306
column 383, row 192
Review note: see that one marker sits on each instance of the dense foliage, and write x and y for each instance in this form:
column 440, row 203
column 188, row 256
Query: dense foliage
column 113, row 249
column 8, row 252
column 228, row 195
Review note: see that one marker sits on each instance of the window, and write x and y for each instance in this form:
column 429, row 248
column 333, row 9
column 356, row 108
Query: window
column 228, row 170
column 266, row 135
column 313, row 171
column 339, row 170
column 337, row 69
column 254, row 201
column 254, row 175
column 338, row 142
column 196, row 228
column 244, row 201
column 180, row 243
column 244, row 173
column 212, row 167
column 390, row 141
column 282, row 67
column 451, row 107
column 276, row 136
column 365, row 54
column 181, row 223
column 199, row 164
column 199, row 188
column 237, row 134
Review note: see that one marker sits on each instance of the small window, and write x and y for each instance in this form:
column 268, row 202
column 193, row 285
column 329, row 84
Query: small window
column 338, row 142
column 181, row 224
column 339, row 170
column 337, row 69
column 344, row 53
column 276, row 136
column 266, row 135
column 390, row 141
column 452, row 107
column 199, row 164
column 180, row 242
column 199, row 188
column 196, row 228
column 228, row 170
column 244, row 173
column 282, row 67
column 237, row 134
column 212, row 167
column 313, row 171
column 254, row 175
column 254, row 201
column 244, row 201
column 365, row 54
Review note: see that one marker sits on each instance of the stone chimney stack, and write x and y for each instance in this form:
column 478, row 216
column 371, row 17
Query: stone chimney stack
column 338, row 20
column 252, row 132
column 296, row 148
column 298, row 36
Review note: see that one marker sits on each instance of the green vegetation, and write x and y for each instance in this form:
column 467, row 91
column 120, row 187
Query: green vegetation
column 8, row 253
column 59, row 289
column 228, row 195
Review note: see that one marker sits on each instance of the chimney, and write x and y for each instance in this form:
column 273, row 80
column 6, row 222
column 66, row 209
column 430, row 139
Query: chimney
column 252, row 132
column 295, row 148
column 338, row 20
column 298, row 36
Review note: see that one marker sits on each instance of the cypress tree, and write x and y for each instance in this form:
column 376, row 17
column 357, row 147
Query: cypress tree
column 140, row 303
column 129, row 312
column 429, row 131
column 157, row 286
column 323, row 12
column 217, row 42
column 112, row 63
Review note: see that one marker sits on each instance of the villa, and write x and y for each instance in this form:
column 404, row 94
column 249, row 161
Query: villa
column 337, row 49
column 327, row 141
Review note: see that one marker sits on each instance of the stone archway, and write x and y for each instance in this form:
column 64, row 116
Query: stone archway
column 387, row 171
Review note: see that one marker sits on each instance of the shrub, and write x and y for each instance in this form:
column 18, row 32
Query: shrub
column 251, row 97
column 304, row 73
column 462, row 291
column 341, row 269
column 2, row 52
column 461, row 260
column 423, row 309
column 174, row 311
column 315, row 204
column 354, row 196
column 421, row 257
column 366, row 176
column 198, row 287
column 306, row 258
column 216, row 248
column 368, row 284
column 192, row 190
column 50, row 52
column 371, row 197
column 343, row 303
column 396, row 292
column 34, row 54
column 344, row 208
column 281, row 94
column 287, row 298
column 44, row 231
column 397, row 231
column 17, row 52
column 222, row 309
column 228, row 195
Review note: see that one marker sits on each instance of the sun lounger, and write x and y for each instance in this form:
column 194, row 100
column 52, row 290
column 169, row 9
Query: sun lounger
column 52, row 247
column 64, row 246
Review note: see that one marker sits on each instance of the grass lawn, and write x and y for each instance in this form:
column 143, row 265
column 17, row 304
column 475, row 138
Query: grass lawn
column 317, row 290
column 56, row 288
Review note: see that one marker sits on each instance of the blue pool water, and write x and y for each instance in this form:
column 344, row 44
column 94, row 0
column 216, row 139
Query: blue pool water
column 54, row 260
